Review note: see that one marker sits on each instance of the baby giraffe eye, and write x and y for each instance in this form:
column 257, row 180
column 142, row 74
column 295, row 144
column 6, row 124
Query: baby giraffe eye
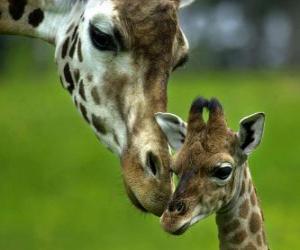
column 223, row 172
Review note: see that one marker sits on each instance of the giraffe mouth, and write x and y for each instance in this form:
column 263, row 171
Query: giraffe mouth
column 182, row 229
column 135, row 200
column 197, row 218
column 186, row 225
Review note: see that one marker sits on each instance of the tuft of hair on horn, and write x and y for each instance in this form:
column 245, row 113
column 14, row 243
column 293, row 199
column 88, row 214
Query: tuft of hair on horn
column 216, row 115
column 198, row 105
column 196, row 121
column 214, row 105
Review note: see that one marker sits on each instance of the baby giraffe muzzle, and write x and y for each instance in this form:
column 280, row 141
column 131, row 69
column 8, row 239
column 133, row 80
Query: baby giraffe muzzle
column 214, row 177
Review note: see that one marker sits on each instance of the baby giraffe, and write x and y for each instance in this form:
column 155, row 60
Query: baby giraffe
column 214, row 175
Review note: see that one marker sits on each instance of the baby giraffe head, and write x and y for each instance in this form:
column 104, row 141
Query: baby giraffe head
column 209, row 161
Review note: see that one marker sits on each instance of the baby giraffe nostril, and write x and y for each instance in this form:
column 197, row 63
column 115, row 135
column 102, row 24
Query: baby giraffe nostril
column 178, row 207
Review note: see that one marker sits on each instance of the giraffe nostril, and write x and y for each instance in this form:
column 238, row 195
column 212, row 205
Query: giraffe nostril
column 153, row 163
column 179, row 207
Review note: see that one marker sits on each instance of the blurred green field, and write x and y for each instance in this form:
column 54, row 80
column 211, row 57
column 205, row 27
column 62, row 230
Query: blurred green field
column 61, row 189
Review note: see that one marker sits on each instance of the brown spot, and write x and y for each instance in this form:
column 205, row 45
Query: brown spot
column 253, row 198
column 238, row 237
column 68, row 78
column 81, row 90
column 114, row 86
column 213, row 200
column 97, row 122
column 232, row 226
column 70, row 27
column 244, row 209
column 245, row 173
column 249, row 246
column 95, row 95
column 72, row 50
column 242, row 189
column 259, row 240
column 79, row 51
column 76, row 75
column 65, row 47
column 16, row 8
column 84, row 112
column 89, row 77
column 36, row 17
column 74, row 32
column 250, row 185
column 255, row 223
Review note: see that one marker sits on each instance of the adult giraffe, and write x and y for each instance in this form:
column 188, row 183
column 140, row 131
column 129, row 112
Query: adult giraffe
column 114, row 57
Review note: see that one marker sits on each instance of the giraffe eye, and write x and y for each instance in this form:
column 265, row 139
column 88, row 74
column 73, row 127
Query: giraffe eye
column 223, row 172
column 102, row 40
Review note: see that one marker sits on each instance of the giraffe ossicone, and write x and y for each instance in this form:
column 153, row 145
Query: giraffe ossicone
column 214, row 175
column 114, row 57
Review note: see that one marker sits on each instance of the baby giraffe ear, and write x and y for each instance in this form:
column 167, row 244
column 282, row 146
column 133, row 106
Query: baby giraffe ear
column 184, row 3
column 173, row 127
column 251, row 132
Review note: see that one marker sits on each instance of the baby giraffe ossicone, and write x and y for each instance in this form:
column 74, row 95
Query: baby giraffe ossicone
column 211, row 163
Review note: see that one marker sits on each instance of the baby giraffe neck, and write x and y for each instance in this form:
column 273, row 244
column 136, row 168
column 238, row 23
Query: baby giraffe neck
column 241, row 225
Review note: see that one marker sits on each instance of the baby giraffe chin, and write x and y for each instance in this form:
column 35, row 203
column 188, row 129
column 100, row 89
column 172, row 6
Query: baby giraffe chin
column 214, row 177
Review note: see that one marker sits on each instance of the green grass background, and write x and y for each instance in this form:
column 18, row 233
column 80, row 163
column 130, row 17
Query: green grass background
column 61, row 189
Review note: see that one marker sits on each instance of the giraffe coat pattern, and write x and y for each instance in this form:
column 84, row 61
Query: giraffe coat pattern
column 117, row 86
column 215, row 177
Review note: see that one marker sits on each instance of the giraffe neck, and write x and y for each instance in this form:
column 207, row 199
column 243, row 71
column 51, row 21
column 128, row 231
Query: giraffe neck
column 241, row 225
column 35, row 18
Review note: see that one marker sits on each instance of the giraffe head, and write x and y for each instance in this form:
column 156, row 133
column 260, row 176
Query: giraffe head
column 115, row 58
column 209, row 162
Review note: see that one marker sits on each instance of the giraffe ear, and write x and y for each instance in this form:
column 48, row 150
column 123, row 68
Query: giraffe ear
column 173, row 127
column 184, row 3
column 251, row 132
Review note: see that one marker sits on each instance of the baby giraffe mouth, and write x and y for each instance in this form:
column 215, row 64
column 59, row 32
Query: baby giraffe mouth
column 182, row 229
column 186, row 225
column 197, row 218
